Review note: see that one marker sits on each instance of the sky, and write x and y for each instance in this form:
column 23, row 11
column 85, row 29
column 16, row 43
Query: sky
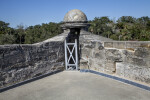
column 33, row 12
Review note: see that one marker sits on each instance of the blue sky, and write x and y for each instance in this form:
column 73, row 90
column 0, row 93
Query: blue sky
column 32, row 12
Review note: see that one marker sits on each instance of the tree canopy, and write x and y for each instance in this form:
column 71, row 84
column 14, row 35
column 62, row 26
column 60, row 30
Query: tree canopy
column 29, row 35
column 126, row 28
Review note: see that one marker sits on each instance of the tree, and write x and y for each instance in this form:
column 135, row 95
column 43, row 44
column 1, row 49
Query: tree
column 7, row 39
column 127, row 19
column 6, row 33
column 125, row 28
column 42, row 32
column 100, row 25
column 20, row 34
column 143, row 20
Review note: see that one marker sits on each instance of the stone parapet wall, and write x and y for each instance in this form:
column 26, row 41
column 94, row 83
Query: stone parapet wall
column 26, row 61
column 128, row 59
column 122, row 58
column 130, row 45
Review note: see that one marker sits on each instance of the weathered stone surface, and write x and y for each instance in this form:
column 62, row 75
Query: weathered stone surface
column 109, row 66
column 142, row 52
column 86, row 53
column 75, row 15
column 21, row 62
column 113, row 55
column 108, row 44
column 119, row 45
column 126, row 59
column 84, row 64
column 132, row 71
column 75, row 19
column 123, row 58
column 132, row 44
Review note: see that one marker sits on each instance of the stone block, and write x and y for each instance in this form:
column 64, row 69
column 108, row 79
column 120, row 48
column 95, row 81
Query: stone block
column 113, row 55
column 145, row 45
column 119, row 45
column 99, row 45
column 108, row 44
column 139, row 61
column 133, row 72
column 142, row 52
column 132, row 45
column 84, row 64
column 110, row 67
column 86, row 53
column 90, row 46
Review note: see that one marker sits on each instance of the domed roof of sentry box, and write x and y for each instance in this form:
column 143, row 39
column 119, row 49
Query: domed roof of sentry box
column 75, row 15
column 75, row 19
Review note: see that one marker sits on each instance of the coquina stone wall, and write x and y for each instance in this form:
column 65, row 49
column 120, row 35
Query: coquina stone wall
column 22, row 62
column 125, row 59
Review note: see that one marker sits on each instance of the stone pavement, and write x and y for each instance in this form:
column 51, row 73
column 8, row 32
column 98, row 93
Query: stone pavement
column 73, row 85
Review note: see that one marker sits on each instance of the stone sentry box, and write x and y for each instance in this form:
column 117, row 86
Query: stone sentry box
column 21, row 62
column 125, row 59
column 74, row 21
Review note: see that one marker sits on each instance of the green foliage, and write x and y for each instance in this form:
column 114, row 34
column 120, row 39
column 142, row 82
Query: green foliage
column 42, row 32
column 6, row 34
column 7, row 39
column 100, row 26
column 31, row 34
column 127, row 19
column 125, row 28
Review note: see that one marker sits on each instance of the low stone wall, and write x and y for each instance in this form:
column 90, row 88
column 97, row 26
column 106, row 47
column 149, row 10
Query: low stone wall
column 122, row 58
column 125, row 59
column 22, row 62
column 134, row 59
